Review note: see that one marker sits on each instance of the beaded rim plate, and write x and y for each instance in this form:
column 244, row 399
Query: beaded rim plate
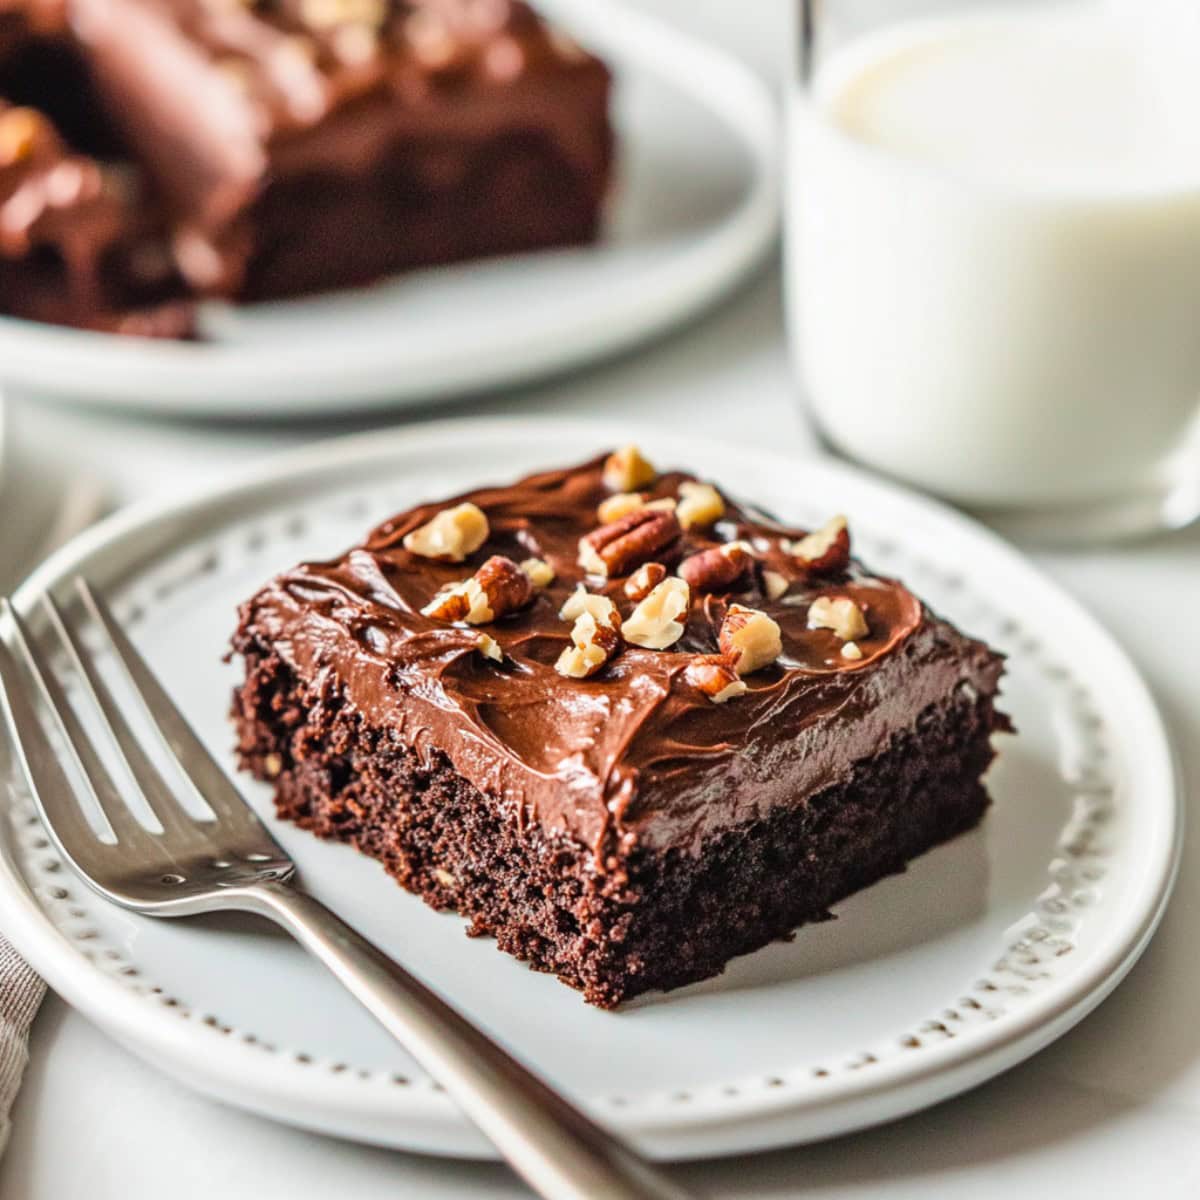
column 683, row 109
column 929, row 982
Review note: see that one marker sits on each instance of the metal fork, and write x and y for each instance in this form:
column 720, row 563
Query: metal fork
column 231, row 861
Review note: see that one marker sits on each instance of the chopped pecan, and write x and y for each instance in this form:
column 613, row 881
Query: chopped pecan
column 498, row 587
column 700, row 505
column 623, row 503
column 489, row 648
column 749, row 639
column 451, row 535
column 840, row 614
column 595, row 635
column 539, row 572
column 774, row 584
column 716, row 569
column 581, row 601
column 825, row 550
column 619, row 505
column 620, row 547
column 656, row 622
column 715, row 677
column 626, row 470
column 644, row 580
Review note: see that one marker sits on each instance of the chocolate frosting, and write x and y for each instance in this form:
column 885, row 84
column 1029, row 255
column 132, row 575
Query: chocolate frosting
column 635, row 754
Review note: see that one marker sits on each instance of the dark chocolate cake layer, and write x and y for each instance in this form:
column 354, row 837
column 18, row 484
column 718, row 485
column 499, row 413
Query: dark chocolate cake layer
column 628, row 799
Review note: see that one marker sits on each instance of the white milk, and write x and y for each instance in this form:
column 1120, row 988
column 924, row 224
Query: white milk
column 995, row 251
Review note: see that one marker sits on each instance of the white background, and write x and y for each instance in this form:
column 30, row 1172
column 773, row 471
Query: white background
column 1111, row 1110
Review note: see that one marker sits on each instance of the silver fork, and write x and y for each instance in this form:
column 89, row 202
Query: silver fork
column 231, row 861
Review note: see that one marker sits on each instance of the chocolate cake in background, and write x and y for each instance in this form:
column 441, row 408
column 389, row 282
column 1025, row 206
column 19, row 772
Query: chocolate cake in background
column 156, row 151
column 619, row 722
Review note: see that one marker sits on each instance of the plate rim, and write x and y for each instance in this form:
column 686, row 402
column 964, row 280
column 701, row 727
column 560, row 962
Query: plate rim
column 255, row 382
column 849, row 1101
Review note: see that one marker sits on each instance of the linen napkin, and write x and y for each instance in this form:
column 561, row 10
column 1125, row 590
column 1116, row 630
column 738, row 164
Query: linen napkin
column 21, row 992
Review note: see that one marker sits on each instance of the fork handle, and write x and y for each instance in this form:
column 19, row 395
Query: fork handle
column 561, row 1153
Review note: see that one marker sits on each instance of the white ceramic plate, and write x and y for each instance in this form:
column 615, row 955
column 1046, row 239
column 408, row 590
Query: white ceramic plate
column 695, row 209
column 927, row 983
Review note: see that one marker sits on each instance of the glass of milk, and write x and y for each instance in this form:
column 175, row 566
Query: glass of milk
column 993, row 252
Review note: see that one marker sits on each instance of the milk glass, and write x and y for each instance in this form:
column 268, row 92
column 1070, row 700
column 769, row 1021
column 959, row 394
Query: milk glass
column 993, row 253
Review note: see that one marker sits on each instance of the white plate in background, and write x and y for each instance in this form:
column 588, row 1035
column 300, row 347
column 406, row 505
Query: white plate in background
column 695, row 209
column 928, row 982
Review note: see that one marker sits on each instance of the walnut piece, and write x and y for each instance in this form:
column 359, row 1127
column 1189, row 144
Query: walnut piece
column 700, row 505
column 644, row 580
column 852, row 651
column 840, row 614
column 595, row 635
column 716, row 569
column 655, row 624
column 451, row 535
column 714, row 676
column 622, row 546
column 749, row 639
column 824, row 550
column 498, row 587
column 626, row 470
column 539, row 572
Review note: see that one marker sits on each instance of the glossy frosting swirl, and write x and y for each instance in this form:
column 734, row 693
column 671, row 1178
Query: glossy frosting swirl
column 635, row 754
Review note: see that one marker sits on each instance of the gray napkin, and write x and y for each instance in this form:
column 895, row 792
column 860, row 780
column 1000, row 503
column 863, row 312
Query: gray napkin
column 20, row 994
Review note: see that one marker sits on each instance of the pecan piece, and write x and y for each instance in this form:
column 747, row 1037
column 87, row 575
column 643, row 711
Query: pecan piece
column 489, row 648
column 644, row 580
column 450, row 535
column 840, row 614
column 658, row 621
column 638, row 537
column 595, row 635
column 700, row 505
column 749, row 639
column 716, row 569
column 825, row 550
column 540, row 572
column 498, row 587
column 623, row 503
column 626, row 470
column 774, row 584
column 619, row 505
column 715, row 677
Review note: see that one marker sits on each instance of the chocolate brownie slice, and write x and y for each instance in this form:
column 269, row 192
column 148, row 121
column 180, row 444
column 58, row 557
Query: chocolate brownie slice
column 290, row 146
column 624, row 725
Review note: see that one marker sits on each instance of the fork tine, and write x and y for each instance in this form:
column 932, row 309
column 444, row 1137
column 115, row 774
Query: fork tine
column 174, row 819
column 39, row 759
column 198, row 765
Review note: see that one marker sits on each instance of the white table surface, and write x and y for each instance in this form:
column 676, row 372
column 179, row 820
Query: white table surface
column 1113, row 1107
